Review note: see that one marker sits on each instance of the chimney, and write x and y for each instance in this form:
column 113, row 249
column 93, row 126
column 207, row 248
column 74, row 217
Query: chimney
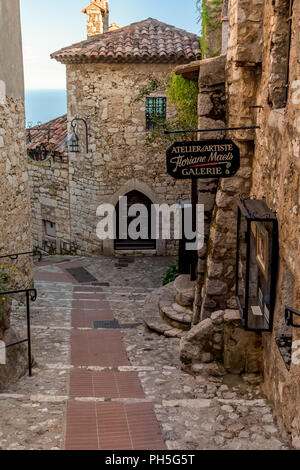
column 114, row 27
column 97, row 17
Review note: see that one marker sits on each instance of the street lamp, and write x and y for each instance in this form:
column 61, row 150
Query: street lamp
column 74, row 139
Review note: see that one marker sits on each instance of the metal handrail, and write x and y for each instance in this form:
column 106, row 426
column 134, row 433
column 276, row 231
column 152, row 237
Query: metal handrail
column 31, row 294
column 35, row 252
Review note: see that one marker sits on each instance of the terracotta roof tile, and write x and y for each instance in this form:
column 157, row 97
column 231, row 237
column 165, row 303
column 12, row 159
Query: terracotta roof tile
column 58, row 135
column 146, row 41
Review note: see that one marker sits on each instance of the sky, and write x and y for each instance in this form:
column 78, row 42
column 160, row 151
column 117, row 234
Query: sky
column 48, row 25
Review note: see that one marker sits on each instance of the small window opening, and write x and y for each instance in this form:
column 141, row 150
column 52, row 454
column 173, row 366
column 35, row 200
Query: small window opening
column 50, row 228
column 156, row 112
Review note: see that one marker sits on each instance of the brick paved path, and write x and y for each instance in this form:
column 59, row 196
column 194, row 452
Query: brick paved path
column 99, row 412
column 119, row 388
column 94, row 425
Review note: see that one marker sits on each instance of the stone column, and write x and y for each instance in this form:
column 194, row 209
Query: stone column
column 242, row 76
column 211, row 111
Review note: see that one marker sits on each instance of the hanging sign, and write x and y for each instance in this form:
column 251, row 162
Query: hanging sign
column 203, row 159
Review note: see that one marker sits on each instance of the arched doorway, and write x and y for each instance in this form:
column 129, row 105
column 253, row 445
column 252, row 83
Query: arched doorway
column 135, row 197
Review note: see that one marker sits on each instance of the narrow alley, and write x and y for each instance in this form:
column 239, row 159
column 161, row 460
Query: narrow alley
column 100, row 376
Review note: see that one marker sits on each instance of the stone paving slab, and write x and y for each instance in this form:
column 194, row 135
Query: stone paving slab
column 192, row 412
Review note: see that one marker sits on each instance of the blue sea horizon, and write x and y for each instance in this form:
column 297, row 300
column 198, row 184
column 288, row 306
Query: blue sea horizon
column 44, row 105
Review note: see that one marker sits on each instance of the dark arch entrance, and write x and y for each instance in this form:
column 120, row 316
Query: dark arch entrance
column 135, row 197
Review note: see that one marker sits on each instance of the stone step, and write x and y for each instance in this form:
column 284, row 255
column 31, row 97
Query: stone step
column 173, row 313
column 153, row 319
column 184, row 291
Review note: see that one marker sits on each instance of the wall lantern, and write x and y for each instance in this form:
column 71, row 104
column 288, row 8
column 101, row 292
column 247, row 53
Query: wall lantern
column 256, row 264
column 74, row 139
column 74, row 142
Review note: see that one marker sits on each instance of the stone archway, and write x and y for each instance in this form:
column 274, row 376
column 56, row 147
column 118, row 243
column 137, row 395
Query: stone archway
column 142, row 243
column 141, row 187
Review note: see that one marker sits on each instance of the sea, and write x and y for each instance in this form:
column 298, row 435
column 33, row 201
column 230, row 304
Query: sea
column 44, row 105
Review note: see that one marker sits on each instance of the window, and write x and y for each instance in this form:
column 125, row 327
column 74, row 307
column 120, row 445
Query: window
column 155, row 112
column 256, row 264
column 50, row 228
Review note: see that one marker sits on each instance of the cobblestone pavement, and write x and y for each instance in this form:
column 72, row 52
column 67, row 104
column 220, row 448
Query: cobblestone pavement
column 193, row 412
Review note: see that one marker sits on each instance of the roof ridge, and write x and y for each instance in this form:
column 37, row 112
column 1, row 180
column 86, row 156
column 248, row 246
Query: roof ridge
column 179, row 44
column 40, row 126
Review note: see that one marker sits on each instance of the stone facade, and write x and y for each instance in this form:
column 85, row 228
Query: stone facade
column 262, row 89
column 103, row 83
column 50, row 204
column 15, row 226
column 120, row 160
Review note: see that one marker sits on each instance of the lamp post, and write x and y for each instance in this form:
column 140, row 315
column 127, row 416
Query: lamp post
column 74, row 140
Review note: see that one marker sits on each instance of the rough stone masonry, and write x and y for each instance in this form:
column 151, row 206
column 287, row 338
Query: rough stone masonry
column 260, row 76
column 15, row 222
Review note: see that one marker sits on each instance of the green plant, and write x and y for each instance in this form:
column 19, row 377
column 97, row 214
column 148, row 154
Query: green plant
column 153, row 84
column 184, row 93
column 171, row 273
column 209, row 17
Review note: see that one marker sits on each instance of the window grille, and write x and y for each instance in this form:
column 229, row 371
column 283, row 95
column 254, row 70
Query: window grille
column 155, row 111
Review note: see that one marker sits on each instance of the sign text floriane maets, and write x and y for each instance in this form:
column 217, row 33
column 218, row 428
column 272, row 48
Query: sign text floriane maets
column 204, row 159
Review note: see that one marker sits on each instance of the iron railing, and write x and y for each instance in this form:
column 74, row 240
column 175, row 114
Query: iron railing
column 35, row 252
column 31, row 294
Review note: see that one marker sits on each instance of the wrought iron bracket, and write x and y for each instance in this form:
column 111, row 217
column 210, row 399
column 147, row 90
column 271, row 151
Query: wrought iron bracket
column 86, row 130
column 289, row 317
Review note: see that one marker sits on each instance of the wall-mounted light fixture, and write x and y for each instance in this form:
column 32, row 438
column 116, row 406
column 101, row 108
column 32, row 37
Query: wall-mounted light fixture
column 74, row 139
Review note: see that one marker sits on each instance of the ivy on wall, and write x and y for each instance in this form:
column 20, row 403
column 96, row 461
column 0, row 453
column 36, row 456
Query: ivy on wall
column 184, row 93
column 181, row 92
column 209, row 17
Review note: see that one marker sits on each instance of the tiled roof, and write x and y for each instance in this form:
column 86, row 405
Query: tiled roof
column 146, row 41
column 58, row 135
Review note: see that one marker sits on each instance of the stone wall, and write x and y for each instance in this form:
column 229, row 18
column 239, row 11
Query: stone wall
column 276, row 174
column 241, row 83
column 256, row 75
column 211, row 12
column 120, row 159
column 50, row 202
column 15, row 219
column 15, row 225
column 212, row 114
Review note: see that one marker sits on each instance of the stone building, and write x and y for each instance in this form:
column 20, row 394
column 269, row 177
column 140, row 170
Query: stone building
column 49, row 185
column 255, row 84
column 105, row 75
column 15, row 225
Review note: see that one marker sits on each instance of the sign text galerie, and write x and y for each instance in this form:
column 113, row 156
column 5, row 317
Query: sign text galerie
column 203, row 159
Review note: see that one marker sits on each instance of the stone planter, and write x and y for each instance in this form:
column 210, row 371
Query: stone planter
column 5, row 309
